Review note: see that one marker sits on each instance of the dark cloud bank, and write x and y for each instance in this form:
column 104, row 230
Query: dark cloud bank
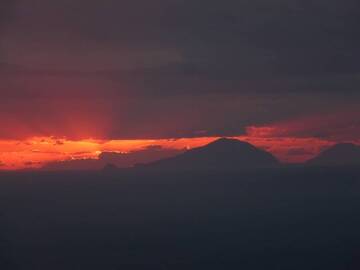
column 175, row 68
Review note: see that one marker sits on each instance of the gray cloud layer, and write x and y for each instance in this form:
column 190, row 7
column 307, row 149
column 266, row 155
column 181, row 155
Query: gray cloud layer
column 179, row 67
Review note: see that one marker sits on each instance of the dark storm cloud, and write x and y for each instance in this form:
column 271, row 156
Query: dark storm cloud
column 167, row 68
column 295, row 37
column 7, row 9
column 247, row 44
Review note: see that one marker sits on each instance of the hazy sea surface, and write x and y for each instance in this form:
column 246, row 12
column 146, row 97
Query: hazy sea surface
column 291, row 218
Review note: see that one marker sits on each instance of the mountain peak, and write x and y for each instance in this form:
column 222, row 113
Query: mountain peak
column 343, row 146
column 222, row 154
column 227, row 147
column 227, row 142
column 338, row 154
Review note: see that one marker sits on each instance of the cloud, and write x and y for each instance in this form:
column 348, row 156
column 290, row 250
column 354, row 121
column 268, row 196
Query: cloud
column 7, row 11
column 161, row 69
column 228, row 40
column 337, row 126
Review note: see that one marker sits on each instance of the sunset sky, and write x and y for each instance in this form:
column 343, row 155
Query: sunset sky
column 82, row 77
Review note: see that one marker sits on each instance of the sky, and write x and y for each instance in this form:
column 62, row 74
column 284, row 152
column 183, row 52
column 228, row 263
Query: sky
column 279, row 74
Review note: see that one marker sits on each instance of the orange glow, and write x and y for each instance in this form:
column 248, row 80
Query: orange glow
column 35, row 152
column 290, row 149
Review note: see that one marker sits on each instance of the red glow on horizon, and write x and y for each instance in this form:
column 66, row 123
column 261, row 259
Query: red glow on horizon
column 290, row 141
column 35, row 152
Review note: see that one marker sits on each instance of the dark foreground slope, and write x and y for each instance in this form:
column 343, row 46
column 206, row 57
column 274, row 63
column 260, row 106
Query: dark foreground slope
column 268, row 219
column 221, row 155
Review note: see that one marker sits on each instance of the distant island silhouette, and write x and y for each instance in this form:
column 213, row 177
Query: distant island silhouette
column 119, row 160
column 222, row 154
column 338, row 155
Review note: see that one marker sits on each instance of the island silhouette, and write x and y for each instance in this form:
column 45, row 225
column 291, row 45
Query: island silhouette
column 222, row 154
column 338, row 155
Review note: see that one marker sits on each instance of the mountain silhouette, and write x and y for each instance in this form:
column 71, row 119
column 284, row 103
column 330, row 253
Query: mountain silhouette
column 338, row 155
column 222, row 154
